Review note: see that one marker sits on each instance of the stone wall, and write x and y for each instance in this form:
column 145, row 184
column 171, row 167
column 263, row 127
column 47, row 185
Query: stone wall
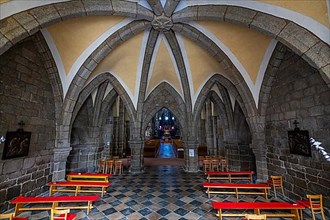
column 26, row 94
column 299, row 93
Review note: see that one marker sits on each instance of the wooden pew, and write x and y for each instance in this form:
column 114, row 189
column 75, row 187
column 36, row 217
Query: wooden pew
column 88, row 177
column 257, row 208
column 76, row 187
column 53, row 202
column 237, row 188
column 229, row 176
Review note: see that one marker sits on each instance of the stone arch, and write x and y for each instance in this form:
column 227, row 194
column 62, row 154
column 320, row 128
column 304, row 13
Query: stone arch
column 165, row 96
column 27, row 23
column 303, row 42
column 270, row 73
column 215, row 80
column 234, row 77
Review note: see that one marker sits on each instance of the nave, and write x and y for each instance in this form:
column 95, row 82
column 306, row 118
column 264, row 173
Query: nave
column 161, row 192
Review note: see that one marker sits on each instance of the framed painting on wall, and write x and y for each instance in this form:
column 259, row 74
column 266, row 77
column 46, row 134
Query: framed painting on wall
column 17, row 144
column 299, row 142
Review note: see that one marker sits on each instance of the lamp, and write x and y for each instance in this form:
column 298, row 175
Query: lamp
column 2, row 139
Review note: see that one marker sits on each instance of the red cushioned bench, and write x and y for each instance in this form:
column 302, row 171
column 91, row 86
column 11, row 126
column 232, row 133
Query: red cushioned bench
column 230, row 175
column 88, row 177
column 257, row 208
column 53, row 202
column 239, row 188
column 88, row 187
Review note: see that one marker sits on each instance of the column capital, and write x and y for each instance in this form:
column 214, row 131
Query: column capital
column 61, row 154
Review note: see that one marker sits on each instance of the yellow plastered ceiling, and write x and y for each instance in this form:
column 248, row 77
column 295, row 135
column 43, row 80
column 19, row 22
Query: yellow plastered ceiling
column 247, row 45
column 73, row 36
column 164, row 70
column 201, row 63
column 123, row 61
column 316, row 9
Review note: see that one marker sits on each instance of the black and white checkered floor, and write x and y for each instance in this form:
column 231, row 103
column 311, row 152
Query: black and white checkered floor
column 161, row 192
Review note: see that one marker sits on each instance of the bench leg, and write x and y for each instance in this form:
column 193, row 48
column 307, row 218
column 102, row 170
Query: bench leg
column 17, row 209
column 296, row 213
column 265, row 193
column 236, row 192
column 220, row 213
column 89, row 207
column 51, row 190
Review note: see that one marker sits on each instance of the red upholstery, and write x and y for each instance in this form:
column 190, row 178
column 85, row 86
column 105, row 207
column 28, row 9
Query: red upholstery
column 255, row 205
column 90, row 174
column 70, row 216
column 231, row 172
column 304, row 203
column 80, row 183
column 235, row 185
column 18, row 218
column 23, row 199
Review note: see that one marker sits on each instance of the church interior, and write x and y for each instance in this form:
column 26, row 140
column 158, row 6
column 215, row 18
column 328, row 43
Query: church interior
column 162, row 86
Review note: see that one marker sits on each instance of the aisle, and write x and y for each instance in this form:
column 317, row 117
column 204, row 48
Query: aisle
column 166, row 151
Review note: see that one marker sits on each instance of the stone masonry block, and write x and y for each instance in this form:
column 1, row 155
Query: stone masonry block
column 71, row 9
column 5, row 44
column 101, row 52
column 13, row 192
column 325, row 73
column 190, row 32
column 46, row 15
column 90, row 64
column 125, row 33
column 11, row 166
column 96, row 7
column 27, row 21
column 114, row 40
column 124, row 8
column 138, row 26
column 28, row 162
column 177, row 27
column 13, row 30
column 239, row 15
column 170, row 7
column 297, row 38
column 268, row 24
column 318, row 56
column 144, row 13
column 211, row 12
column 186, row 14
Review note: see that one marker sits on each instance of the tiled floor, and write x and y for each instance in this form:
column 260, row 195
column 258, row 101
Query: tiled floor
column 161, row 192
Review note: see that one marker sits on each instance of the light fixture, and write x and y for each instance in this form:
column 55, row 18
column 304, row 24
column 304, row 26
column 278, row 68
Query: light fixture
column 2, row 139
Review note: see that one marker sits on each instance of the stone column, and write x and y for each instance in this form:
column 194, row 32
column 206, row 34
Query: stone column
column 261, row 162
column 233, row 156
column 136, row 156
column 121, row 128
column 191, row 161
column 60, row 158
column 208, row 128
column 214, row 136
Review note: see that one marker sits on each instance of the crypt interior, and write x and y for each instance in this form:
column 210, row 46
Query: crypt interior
column 91, row 79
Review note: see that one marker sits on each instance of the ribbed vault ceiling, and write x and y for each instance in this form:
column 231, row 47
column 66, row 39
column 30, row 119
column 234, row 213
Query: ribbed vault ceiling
column 173, row 56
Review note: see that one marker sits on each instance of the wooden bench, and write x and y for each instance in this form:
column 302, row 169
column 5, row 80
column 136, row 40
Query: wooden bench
column 89, row 177
column 49, row 202
column 244, row 188
column 257, row 208
column 229, row 176
column 76, row 187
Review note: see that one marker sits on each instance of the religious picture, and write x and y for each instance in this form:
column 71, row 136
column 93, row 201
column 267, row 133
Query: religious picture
column 17, row 144
column 299, row 142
